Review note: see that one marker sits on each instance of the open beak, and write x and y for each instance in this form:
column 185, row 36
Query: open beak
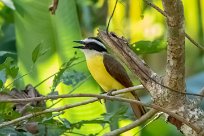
column 80, row 42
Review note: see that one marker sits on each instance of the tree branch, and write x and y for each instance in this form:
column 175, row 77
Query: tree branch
column 31, row 115
column 162, row 95
column 99, row 96
column 53, row 97
column 175, row 67
column 138, row 122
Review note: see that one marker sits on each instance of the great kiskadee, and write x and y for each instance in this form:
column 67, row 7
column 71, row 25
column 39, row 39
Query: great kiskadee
column 107, row 71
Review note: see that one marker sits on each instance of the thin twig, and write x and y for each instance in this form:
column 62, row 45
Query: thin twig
column 111, row 16
column 68, row 95
column 164, row 14
column 102, row 96
column 201, row 93
column 156, row 7
column 151, row 121
column 138, row 122
column 31, row 115
column 73, row 89
column 56, row 73
column 17, row 79
column 41, row 82
column 194, row 42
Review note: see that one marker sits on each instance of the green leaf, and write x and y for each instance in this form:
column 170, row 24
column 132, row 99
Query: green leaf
column 6, row 64
column 14, row 71
column 66, row 123
column 38, row 52
column 6, row 110
column 50, row 117
column 120, row 113
column 72, row 77
column 3, row 76
column 10, row 68
column 10, row 131
column 79, row 124
column 147, row 47
column 63, row 68
column 1, row 84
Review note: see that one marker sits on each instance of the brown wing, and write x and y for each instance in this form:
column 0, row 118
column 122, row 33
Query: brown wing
column 116, row 70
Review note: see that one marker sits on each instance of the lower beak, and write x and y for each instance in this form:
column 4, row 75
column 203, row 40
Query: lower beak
column 79, row 47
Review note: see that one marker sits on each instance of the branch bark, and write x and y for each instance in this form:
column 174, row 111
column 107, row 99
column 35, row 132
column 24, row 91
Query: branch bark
column 175, row 67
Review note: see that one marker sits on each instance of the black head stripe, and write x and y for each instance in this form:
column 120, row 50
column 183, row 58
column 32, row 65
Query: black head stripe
column 95, row 38
column 94, row 43
column 95, row 46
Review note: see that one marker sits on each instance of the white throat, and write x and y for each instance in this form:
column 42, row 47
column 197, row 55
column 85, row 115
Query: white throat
column 91, row 53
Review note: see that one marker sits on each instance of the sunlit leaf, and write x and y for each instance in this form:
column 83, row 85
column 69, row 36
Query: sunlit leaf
column 9, row 3
column 147, row 47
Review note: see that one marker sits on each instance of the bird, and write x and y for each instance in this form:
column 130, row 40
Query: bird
column 108, row 72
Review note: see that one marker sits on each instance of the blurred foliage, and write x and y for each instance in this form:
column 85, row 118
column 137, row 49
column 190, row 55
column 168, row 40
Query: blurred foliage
column 7, row 69
column 147, row 47
column 36, row 48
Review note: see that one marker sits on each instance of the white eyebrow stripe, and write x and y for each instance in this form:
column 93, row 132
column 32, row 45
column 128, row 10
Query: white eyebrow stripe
column 95, row 41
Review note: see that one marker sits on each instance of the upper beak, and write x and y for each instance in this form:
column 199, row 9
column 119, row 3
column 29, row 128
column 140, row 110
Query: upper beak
column 80, row 42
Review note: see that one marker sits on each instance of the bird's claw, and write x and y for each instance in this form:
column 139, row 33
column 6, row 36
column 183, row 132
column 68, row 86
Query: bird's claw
column 110, row 92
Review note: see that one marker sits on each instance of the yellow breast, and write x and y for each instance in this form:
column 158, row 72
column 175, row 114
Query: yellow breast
column 100, row 74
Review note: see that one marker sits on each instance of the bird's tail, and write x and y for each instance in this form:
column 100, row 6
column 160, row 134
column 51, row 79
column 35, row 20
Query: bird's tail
column 138, row 110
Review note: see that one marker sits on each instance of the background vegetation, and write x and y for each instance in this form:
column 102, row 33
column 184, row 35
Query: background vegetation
column 34, row 45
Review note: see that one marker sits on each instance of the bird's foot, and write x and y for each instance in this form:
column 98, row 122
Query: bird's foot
column 110, row 92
